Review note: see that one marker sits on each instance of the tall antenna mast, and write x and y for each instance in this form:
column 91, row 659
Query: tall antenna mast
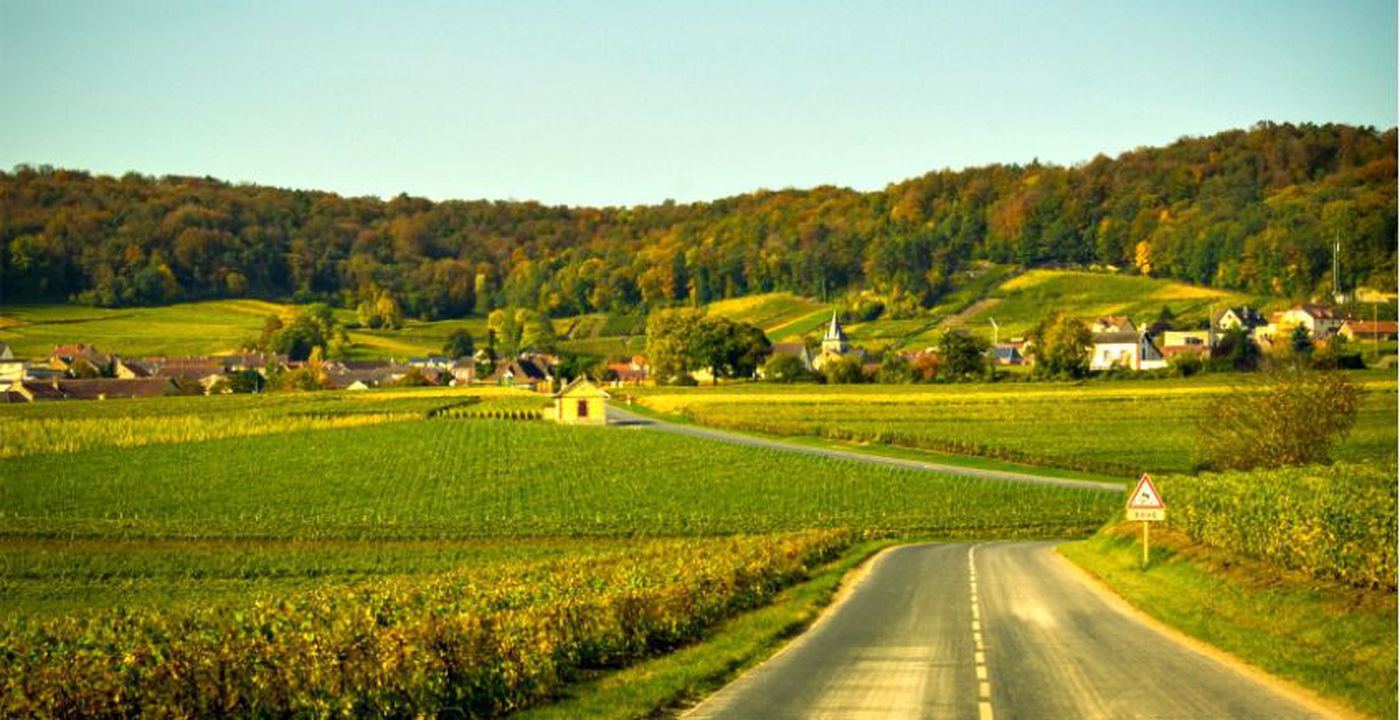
column 1336, row 268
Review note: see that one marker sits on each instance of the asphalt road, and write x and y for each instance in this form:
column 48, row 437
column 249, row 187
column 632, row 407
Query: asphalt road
column 999, row 630
column 623, row 418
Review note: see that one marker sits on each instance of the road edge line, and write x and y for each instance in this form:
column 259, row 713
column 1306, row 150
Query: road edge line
column 1289, row 689
column 849, row 583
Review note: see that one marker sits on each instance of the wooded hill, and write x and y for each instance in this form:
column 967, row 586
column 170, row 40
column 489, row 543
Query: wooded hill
column 1256, row 211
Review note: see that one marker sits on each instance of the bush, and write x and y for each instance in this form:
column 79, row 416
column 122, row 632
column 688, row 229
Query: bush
column 843, row 371
column 1336, row 522
column 786, row 369
column 1187, row 363
column 1288, row 417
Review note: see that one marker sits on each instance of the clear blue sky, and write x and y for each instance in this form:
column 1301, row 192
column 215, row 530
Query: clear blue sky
column 634, row 102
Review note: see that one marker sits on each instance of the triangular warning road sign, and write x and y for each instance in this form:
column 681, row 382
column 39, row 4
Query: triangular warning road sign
column 1145, row 496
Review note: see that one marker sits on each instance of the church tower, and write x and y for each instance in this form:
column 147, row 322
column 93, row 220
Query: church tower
column 835, row 340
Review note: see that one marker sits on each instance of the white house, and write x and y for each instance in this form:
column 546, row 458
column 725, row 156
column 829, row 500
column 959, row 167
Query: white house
column 1128, row 350
column 1321, row 321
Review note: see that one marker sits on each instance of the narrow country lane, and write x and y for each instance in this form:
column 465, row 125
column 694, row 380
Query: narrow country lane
column 996, row 630
column 623, row 418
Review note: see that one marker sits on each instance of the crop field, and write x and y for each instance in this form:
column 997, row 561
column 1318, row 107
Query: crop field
column 373, row 552
column 1121, row 428
column 450, row 478
column 475, row 640
column 56, row 428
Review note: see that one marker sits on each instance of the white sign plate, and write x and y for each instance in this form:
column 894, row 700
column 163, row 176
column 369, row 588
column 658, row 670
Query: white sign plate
column 1146, row 503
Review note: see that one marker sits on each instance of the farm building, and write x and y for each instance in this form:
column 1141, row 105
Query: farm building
column 1239, row 317
column 1127, row 350
column 581, row 403
column 1321, row 321
column 1356, row 330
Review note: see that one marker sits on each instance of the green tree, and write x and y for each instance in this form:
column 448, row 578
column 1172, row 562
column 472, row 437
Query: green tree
column 1287, row 417
column 895, row 370
column 844, row 370
column 962, row 355
column 459, row 344
column 786, row 369
column 1062, row 345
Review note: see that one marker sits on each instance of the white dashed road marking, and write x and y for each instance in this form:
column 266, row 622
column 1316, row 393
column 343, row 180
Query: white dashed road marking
column 979, row 654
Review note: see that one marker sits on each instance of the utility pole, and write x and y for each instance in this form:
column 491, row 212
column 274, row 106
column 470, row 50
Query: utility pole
column 996, row 333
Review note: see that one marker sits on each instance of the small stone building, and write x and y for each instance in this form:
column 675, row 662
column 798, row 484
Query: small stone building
column 581, row 403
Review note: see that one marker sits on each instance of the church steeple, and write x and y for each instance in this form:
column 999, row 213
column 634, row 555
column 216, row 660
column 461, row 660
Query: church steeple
column 835, row 339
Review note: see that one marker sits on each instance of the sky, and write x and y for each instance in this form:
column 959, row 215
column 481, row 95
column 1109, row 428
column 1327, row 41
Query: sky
column 622, row 103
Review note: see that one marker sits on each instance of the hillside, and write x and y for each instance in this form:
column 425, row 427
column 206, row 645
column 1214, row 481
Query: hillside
column 1015, row 301
column 1246, row 210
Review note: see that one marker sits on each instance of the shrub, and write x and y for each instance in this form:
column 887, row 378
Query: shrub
column 785, row 369
column 1288, row 417
column 1336, row 522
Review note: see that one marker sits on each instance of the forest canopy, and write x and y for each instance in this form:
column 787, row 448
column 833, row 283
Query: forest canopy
column 1256, row 210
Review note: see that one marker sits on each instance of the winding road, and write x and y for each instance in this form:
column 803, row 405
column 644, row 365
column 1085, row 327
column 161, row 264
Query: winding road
column 996, row 630
column 620, row 417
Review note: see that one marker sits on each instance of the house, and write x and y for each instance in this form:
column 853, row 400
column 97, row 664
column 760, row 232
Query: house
column 1321, row 321
column 11, row 370
column 1113, row 324
column 835, row 346
column 41, row 372
column 581, row 403
column 1008, row 354
column 463, row 371
column 521, row 372
column 132, row 369
column 33, row 392
column 1243, row 316
column 112, row 388
column 79, row 360
column 1127, row 350
column 440, row 362
column 632, row 372
column 797, row 350
column 1179, row 338
column 1354, row 330
column 258, row 361
column 187, row 370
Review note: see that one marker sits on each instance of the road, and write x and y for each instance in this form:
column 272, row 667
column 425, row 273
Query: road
column 999, row 630
column 624, row 418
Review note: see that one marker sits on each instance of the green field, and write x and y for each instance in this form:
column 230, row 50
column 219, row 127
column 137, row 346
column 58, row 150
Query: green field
column 1118, row 427
column 256, row 534
column 978, row 295
column 1022, row 301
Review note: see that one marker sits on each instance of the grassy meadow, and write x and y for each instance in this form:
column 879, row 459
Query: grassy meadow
column 985, row 292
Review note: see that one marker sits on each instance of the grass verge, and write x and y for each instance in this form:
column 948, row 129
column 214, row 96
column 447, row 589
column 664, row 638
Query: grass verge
column 650, row 687
column 1338, row 641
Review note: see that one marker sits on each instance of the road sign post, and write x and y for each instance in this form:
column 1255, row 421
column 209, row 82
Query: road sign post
column 1145, row 504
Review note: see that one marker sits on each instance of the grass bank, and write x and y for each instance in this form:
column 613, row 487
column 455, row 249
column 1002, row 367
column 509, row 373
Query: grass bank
column 1335, row 640
column 682, row 677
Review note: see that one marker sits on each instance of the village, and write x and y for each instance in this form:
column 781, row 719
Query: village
column 1116, row 344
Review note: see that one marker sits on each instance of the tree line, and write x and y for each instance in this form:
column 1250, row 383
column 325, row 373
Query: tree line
column 1256, row 210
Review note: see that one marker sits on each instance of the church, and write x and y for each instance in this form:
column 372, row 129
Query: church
column 835, row 345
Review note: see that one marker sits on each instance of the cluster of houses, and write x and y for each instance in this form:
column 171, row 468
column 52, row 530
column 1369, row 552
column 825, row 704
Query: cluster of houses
column 1118, row 343
column 83, row 372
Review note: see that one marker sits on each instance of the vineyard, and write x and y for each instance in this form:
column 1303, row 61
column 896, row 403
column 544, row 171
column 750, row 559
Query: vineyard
column 472, row 642
column 454, row 478
column 381, row 552
column 1334, row 522
column 1120, row 428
